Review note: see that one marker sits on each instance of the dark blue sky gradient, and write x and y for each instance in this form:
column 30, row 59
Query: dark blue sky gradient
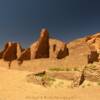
column 21, row 20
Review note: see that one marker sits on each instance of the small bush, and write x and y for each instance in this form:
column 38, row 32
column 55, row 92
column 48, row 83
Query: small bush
column 76, row 69
column 41, row 74
column 88, row 84
column 99, row 83
column 68, row 69
column 60, row 69
column 83, row 86
column 56, row 69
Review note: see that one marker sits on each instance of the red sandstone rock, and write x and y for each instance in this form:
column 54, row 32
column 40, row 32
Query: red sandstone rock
column 26, row 54
column 41, row 49
column 11, row 51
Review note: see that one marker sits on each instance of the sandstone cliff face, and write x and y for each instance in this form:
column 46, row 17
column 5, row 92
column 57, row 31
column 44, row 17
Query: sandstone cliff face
column 41, row 47
column 5, row 48
column 95, row 41
column 45, row 48
column 11, row 51
column 76, row 53
column 57, row 49
column 93, row 55
column 33, row 50
column 25, row 55
column 84, row 50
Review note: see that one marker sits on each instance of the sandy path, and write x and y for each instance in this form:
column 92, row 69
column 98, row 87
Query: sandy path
column 13, row 86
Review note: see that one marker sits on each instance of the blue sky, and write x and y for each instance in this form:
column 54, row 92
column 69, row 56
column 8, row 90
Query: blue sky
column 21, row 20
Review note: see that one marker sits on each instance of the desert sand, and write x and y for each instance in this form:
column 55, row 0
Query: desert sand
column 13, row 86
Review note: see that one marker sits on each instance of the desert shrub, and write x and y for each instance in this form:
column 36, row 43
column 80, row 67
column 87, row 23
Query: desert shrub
column 88, row 84
column 99, row 83
column 91, row 66
column 83, row 86
column 68, row 69
column 60, row 69
column 75, row 69
column 44, row 79
column 56, row 69
column 41, row 74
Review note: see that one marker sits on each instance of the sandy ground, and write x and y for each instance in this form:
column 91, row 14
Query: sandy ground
column 13, row 86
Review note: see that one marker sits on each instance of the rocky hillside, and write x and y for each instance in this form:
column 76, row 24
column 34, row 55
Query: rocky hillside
column 42, row 48
column 76, row 53
column 84, row 50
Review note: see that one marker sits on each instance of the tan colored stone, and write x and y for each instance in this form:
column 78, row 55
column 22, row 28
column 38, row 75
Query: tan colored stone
column 57, row 49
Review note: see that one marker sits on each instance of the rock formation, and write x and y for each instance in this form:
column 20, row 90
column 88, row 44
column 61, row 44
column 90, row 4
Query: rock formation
column 5, row 48
column 25, row 55
column 78, row 80
column 84, row 50
column 45, row 48
column 41, row 48
column 58, row 49
column 76, row 53
column 92, row 72
column 11, row 51
column 93, row 55
column 94, row 40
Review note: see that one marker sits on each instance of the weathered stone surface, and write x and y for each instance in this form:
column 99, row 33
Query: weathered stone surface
column 79, row 79
column 78, row 54
column 84, row 50
column 93, row 55
column 25, row 55
column 5, row 48
column 58, row 49
column 1, row 54
column 45, row 48
column 12, row 51
column 41, row 47
column 94, row 40
column 92, row 73
column 33, row 50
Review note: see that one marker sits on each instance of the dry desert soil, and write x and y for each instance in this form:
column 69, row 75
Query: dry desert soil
column 13, row 86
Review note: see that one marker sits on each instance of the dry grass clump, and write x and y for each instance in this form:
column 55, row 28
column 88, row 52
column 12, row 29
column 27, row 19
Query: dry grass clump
column 41, row 78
